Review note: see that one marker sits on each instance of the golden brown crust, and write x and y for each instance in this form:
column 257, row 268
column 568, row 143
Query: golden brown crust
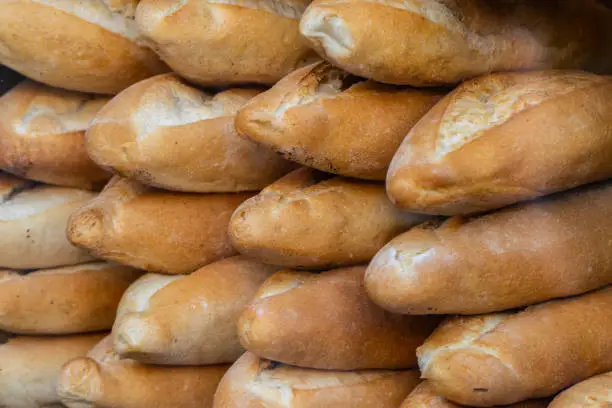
column 479, row 148
column 303, row 222
column 310, row 117
column 103, row 380
column 155, row 230
column 42, row 135
column 168, row 134
column 192, row 321
column 33, row 225
column 75, row 299
column 424, row 396
column 255, row 383
column 83, row 46
column 521, row 255
column 472, row 37
column 504, row 358
column 30, row 366
column 596, row 392
column 226, row 42
column 327, row 321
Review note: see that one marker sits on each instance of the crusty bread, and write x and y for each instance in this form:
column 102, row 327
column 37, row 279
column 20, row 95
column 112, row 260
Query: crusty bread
column 596, row 392
column 192, row 321
column 433, row 42
column 33, row 223
column 504, row 138
column 103, row 380
column 136, row 298
column 79, row 45
column 42, row 135
column 327, row 321
column 155, row 230
column 306, row 220
column 528, row 253
column 30, row 366
column 256, row 383
column 424, row 396
column 214, row 42
column 165, row 133
column 310, row 117
column 74, row 299
column 509, row 357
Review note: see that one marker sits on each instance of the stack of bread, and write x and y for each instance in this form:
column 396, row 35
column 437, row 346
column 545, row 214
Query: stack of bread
column 299, row 204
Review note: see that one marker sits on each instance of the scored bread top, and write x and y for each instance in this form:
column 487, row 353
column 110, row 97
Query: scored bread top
column 46, row 111
column 98, row 13
column 490, row 101
column 284, row 8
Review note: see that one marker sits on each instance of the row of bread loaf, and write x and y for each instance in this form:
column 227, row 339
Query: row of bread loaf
column 120, row 42
column 562, row 203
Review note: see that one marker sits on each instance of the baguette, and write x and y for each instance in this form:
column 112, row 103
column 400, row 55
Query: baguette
column 75, row 299
column 225, row 42
column 104, row 380
column 434, row 42
column 552, row 248
column 33, row 222
column 30, row 366
column 326, row 321
column 591, row 393
column 424, row 396
column 79, row 45
column 136, row 298
column 192, row 321
column 309, row 117
column 167, row 134
column 155, row 230
column 254, row 383
column 480, row 148
column 306, row 220
column 42, row 135
column 509, row 357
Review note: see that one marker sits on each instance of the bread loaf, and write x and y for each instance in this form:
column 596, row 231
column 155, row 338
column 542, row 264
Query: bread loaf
column 307, row 220
column 327, row 321
column 75, row 299
column 213, row 42
column 254, row 383
column 504, row 138
column 424, row 396
column 104, row 380
column 591, row 393
column 504, row 358
column 433, row 42
column 192, row 321
column 30, row 366
column 79, row 45
column 42, row 135
column 136, row 298
column 310, row 117
column 167, row 134
column 529, row 253
column 33, row 223
column 155, row 230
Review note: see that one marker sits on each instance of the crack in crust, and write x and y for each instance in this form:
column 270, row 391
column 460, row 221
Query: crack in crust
column 288, row 9
column 491, row 101
column 97, row 12
column 471, row 336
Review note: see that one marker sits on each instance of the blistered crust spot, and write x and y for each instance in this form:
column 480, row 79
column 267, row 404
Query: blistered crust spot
column 488, row 102
column 71, row 113
column 96, row 12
